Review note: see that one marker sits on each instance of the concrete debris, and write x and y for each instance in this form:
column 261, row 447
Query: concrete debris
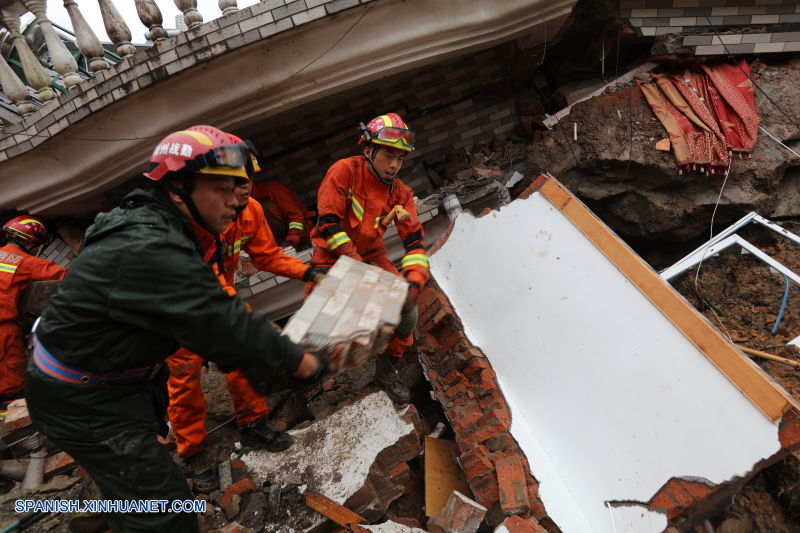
column 356, row 306
column 356, row 457
column 460, row 515
column 392, row 527
column 59, row 483
column 233, row 527
column 17, row 416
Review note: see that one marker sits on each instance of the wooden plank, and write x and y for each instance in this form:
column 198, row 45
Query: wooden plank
column 442, row 474
column 332, row 510
column 744, row 375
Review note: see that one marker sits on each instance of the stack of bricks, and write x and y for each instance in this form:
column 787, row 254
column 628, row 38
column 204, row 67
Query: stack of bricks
column 465, row 384
column 59, row 253
column 696, row 18
column 496, row 468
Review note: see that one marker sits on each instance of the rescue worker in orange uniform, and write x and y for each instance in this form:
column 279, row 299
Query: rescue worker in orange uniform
column 289, row 219
column 356, row 194
column 18, row 268
column 187, row 407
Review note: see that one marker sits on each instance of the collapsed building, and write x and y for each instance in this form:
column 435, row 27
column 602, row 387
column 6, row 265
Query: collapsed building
column 576, row 390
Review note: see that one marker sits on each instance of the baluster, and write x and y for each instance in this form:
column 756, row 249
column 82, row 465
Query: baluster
column 228, row 6
column 15, row 89
column 87, row 40
column 61, row 58
column 191, row 16
column 117, row 30
column 35, row 74
column 150, row 16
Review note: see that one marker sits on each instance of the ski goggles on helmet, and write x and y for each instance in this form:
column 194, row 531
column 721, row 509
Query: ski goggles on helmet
column 228, row 159
column 390, row 136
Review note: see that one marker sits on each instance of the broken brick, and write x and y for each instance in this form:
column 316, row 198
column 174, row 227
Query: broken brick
column 400, row 476
column 513, row 489
column 459, row 515
column 454, row 377
column 476, row 365
column 17, row 415
column 537, row 507
column 237, row 488
column 789, row 432
column 485, row 489
column 516, row 524
column 58, row 464
column 456, row 390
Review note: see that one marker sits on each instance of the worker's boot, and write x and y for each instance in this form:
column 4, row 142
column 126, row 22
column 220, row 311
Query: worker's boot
column 258, row 434
column 388, row 379
column 203, row 470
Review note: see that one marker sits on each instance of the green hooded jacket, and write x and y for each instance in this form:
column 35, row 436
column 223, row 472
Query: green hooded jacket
column 140, row 289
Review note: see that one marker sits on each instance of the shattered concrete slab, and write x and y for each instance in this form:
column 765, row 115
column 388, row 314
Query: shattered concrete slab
column 620, row 392
column 356, row 306
column 392, row 527
column 350, row 457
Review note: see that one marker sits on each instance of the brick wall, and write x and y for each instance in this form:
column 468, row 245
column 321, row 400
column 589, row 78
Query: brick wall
column 449, row 106
column 695, row 17
column 58, row 252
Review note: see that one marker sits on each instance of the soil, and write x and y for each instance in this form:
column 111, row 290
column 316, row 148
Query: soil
column 742, row 297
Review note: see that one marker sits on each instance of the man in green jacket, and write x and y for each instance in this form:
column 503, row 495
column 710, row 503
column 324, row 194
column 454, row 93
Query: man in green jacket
column 138, row 291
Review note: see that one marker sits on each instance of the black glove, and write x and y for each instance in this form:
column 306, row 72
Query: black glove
column 323, row 367
column 315, row 273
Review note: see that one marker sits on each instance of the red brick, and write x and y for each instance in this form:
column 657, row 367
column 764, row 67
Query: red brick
column 456, row 390
column 664, row 500
column 472, row 353
column 492, row 400
column 478, row 468
column 537, row 507
column 515, row 524
column 400, row 476
column 494, row 415
column 679, row 493
column 477, row 365
column 501, row 442
column 513, row 488
column 485, row 489
column 789, row 432
column 240, row 488
column 450, row 339
column 697, row 490
column 454, row 377
column 486, row 433
column 58, row 464
column 17, row 415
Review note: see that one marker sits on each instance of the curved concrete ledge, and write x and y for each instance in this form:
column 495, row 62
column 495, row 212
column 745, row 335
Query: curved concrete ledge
column 232, row 73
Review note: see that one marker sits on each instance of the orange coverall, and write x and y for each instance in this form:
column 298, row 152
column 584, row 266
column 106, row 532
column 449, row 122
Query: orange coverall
column 284, row 206
column 17, row 270
column 351, row 203
column 187, row 407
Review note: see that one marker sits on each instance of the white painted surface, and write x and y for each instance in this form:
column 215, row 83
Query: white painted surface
column 393, row 527
column 609, row 400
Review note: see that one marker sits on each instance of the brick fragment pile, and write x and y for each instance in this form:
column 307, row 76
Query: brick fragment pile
column 466, row 386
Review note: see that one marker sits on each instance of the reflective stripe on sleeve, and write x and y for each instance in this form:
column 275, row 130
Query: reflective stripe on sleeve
column 414, row 259
column 296, row 225
column 338, row 239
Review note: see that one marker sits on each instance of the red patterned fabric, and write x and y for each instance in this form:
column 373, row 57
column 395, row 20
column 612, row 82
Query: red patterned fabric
column 708, row 113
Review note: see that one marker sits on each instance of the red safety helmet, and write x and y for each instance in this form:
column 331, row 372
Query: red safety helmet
column 388, row 130
column 27, row 228
column 203, row 149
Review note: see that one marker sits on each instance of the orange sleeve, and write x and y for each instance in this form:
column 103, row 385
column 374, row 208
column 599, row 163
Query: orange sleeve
column 414, row 264
column 293, row 210
column 264, row 251
column 332, row 208
column 38, row 269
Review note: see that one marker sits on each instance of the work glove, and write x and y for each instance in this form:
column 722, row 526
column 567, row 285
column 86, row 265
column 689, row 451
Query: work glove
column 315, row 274
column 309, row 381
column 412, row 296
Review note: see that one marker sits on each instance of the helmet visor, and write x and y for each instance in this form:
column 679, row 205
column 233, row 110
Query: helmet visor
column 397, row 137
column 238, row 160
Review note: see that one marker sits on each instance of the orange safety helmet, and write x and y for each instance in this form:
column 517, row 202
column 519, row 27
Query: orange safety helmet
column 388, row 130
column 27, row 228
column 203, row 149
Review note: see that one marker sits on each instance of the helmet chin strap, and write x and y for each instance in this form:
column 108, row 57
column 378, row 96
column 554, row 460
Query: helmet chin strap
column 185, row 194
column 373, row 151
